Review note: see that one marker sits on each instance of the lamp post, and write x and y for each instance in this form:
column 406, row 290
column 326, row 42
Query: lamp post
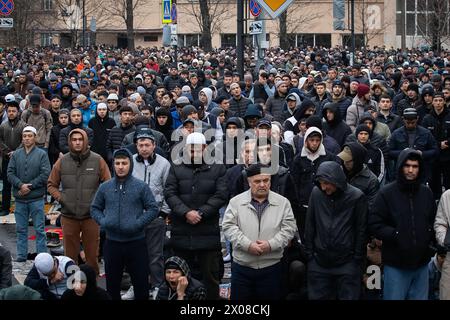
column 84, row 24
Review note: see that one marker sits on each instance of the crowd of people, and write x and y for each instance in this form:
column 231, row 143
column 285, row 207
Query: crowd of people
column 313, row 170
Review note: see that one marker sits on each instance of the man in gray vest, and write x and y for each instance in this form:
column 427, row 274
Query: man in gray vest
column 80, row 172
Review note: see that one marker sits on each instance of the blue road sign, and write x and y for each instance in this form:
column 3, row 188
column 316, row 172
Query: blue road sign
column 255, row 8
column 166, row 11
column 6, row 7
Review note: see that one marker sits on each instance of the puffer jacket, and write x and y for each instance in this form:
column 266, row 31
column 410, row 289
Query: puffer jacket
column 439, row 125
column 115, row 138
column 336, row 225
column 196, row 187
column 403, row 218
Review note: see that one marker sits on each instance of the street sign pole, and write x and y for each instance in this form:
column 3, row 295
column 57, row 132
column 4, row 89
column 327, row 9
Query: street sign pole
column 261, row 39
column 240, row 38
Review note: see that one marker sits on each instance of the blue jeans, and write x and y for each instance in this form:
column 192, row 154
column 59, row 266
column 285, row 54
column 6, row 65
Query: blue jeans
column 404, row 284
column 23, row 211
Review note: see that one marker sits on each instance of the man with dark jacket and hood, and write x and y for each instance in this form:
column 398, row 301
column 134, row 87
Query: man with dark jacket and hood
column 358, row 174
column 79, row 172
column 334, row 126
column 414, row 136
column 403, row 218
column 335, row 236
column 304, row 170
column 291, row 125
column 178, row 284
column 66, row 95
column 85, row 286
column 195, row 191
column 76, row 122
column 123, row 207
column 101, row 124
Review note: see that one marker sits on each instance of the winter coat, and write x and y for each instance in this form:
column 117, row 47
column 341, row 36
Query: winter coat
column 356, row 110
column 242, row 226
column 275, row 106
column 336, row 225
column 101, row 129
column 92, row 292
column 442, row 221
column 439, row 125
column 123, row 208
column 238, row 107
column 304, row 169
column 115, row 139
column 11, row 135
column 196, row 187
column 79, row 175
column 336, row 128
column 393, row 121
column 42, row 122
column 403, row 217
column 195, row 290
column 424, row 141
column 343, row 104
column 64, row 136
column 32, row 168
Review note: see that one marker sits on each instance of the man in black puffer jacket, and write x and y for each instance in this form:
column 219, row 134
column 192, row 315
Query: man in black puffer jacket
column 403, row 218
column 334, row 126
column 335, row 236
column 118, row 133
column 195, row 191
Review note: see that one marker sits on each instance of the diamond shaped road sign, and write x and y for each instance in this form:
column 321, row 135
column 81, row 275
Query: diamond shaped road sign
column 275, row 7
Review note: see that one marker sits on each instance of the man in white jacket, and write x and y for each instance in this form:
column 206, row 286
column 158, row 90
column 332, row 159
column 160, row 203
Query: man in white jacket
column 441, row 226
column 259, row 224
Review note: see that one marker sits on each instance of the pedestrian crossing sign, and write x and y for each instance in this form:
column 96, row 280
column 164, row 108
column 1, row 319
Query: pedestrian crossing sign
column 167, row 11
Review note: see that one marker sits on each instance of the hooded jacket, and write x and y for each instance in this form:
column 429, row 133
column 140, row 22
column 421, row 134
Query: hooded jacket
column 239, row 107
column 92, row 292
column 360, row 176
column 166, row 129
column 356, row 110
column 195, row 289
column 335, row 128
column 80, row 175
column 403, row 218
column 290, row 126
column 124, row 207
column 64, row 136
column 336, row 225
column 305, row 166
column 101, row 128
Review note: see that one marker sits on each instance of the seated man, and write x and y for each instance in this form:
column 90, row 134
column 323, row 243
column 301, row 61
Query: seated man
column 179, row 285
column 49, row 275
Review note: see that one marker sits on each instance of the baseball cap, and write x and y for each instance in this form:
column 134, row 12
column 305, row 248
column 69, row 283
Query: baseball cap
column 264, row 122
column 346, row 154
column 10, row 98
column 144, row 133
column 196, row 138
column 35, row 99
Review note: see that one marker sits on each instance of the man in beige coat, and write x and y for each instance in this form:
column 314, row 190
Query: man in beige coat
column 259, row 224
column 441, row 226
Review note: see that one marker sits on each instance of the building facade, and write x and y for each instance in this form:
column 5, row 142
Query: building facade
column 308, row 22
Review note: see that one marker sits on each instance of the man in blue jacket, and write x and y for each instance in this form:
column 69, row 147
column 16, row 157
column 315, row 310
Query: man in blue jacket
column 28, row 171
column 123, row 207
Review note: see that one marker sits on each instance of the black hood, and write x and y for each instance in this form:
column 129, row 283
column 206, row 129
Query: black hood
column 299, row 112
column 367, row 116
column 331, row 172
column 234, row 120
column 359, row 155
column 409, row 154
column 333, row 107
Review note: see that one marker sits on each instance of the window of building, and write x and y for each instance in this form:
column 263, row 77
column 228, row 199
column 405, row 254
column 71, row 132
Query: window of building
column 46, row 39
column 421, row 15
column 228, row 40
column 347, row 40
column 188, row 40
column 309, row 39
column 151, row 38
column 47, row 5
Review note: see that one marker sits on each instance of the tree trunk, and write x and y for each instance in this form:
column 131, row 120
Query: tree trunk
column 284, row 41
column 205, row 39
column 130, row 24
